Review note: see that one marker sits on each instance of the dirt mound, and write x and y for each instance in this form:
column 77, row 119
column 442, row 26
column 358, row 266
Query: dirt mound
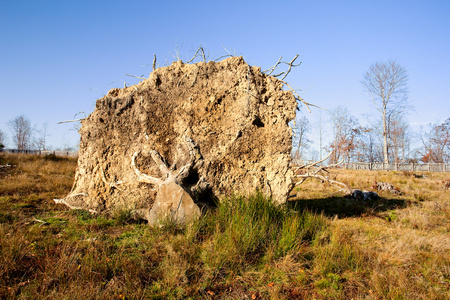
column 212, row 128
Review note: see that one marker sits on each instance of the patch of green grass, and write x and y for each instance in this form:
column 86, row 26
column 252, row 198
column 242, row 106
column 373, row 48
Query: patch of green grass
column 81, row 214
column 392, row 216
column 248, row 231
column 123, row 216
column 330, row 285
column 100, row 222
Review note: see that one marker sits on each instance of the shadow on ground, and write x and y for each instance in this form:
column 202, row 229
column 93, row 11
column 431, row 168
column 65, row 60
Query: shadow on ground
column 346, row 207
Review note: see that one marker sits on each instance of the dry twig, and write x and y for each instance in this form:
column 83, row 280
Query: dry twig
column 138, row 77
column 226, row 55
column 40, row 221
column 68, row 121
column 279, row 62
column 63, row 201
column 314, row 171
column 200, row 51
column 297, row 96
column 290, row 64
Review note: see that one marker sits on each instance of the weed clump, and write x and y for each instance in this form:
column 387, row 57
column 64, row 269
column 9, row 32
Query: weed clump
column 249, row 231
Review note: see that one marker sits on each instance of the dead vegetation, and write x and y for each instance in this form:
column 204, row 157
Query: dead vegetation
column 446, row 185
column 386, row 186
column 320, row 246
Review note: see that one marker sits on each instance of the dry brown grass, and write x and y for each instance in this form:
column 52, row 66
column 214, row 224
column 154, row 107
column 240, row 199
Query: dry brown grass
column 397, row 247
column 405, row 248
column 36, row 175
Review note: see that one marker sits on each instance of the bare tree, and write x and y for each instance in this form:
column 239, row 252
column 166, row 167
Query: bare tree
column 40, row 142
column 316, row 170
column 364, row 145
column 386, row 83
column 436, row 143
column 319, row 126
column 345, row 129
column 314, row 155
column 2, row 139
column 398, row 138
column 301, row 128
column 21, row 131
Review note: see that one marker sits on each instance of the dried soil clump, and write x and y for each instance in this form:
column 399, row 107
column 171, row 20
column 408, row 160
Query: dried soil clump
column 215, row 129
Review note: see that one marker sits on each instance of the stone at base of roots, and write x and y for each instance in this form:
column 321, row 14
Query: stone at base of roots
column 173, row 204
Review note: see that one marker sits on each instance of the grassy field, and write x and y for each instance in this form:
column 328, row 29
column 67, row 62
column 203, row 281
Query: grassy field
column 320, row 245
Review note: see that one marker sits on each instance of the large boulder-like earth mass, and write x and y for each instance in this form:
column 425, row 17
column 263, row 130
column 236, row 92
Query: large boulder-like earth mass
column 214, row 129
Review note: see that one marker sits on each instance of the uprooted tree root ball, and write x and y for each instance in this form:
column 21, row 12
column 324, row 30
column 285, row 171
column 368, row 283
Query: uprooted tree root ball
column 207, row 130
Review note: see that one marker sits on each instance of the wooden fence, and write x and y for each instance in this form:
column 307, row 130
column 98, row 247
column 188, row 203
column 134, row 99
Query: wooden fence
column 431, row 167
column 42, row 152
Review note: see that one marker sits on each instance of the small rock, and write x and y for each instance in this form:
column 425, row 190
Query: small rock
column 384, row 186
column 173, row 203
column 364, row 195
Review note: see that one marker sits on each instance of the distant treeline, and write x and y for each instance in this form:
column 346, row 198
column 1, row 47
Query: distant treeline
column 409, row 167
column 43, row 152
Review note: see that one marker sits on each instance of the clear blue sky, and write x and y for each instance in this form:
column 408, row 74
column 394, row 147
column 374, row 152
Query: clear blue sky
column 58, row 57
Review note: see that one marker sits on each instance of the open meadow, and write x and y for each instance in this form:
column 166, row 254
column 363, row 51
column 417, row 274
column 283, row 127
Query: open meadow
column 320, row 245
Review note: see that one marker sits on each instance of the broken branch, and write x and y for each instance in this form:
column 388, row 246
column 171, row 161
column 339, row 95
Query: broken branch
column 297, row 96
column 40, row 221
column 313, row 171
column 271, row 69
column 314, row 163
column 63, row 201
column 202, row 53
column 290, row 65
column 68, row 121
column 138, row 77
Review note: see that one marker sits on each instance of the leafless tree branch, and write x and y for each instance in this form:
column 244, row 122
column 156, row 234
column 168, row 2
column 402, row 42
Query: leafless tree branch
column 297, row 96
column 222, row 57
column 68, row 121
column 313, row 171
column 226, row 55
column 22, row 132
column 138, row 77
column 386, row 83
column 290, row 65
column 63, row 201
column 307, row 166
column 279, row 62
column 200, row 52
column 271, row 69
column 40, row 221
